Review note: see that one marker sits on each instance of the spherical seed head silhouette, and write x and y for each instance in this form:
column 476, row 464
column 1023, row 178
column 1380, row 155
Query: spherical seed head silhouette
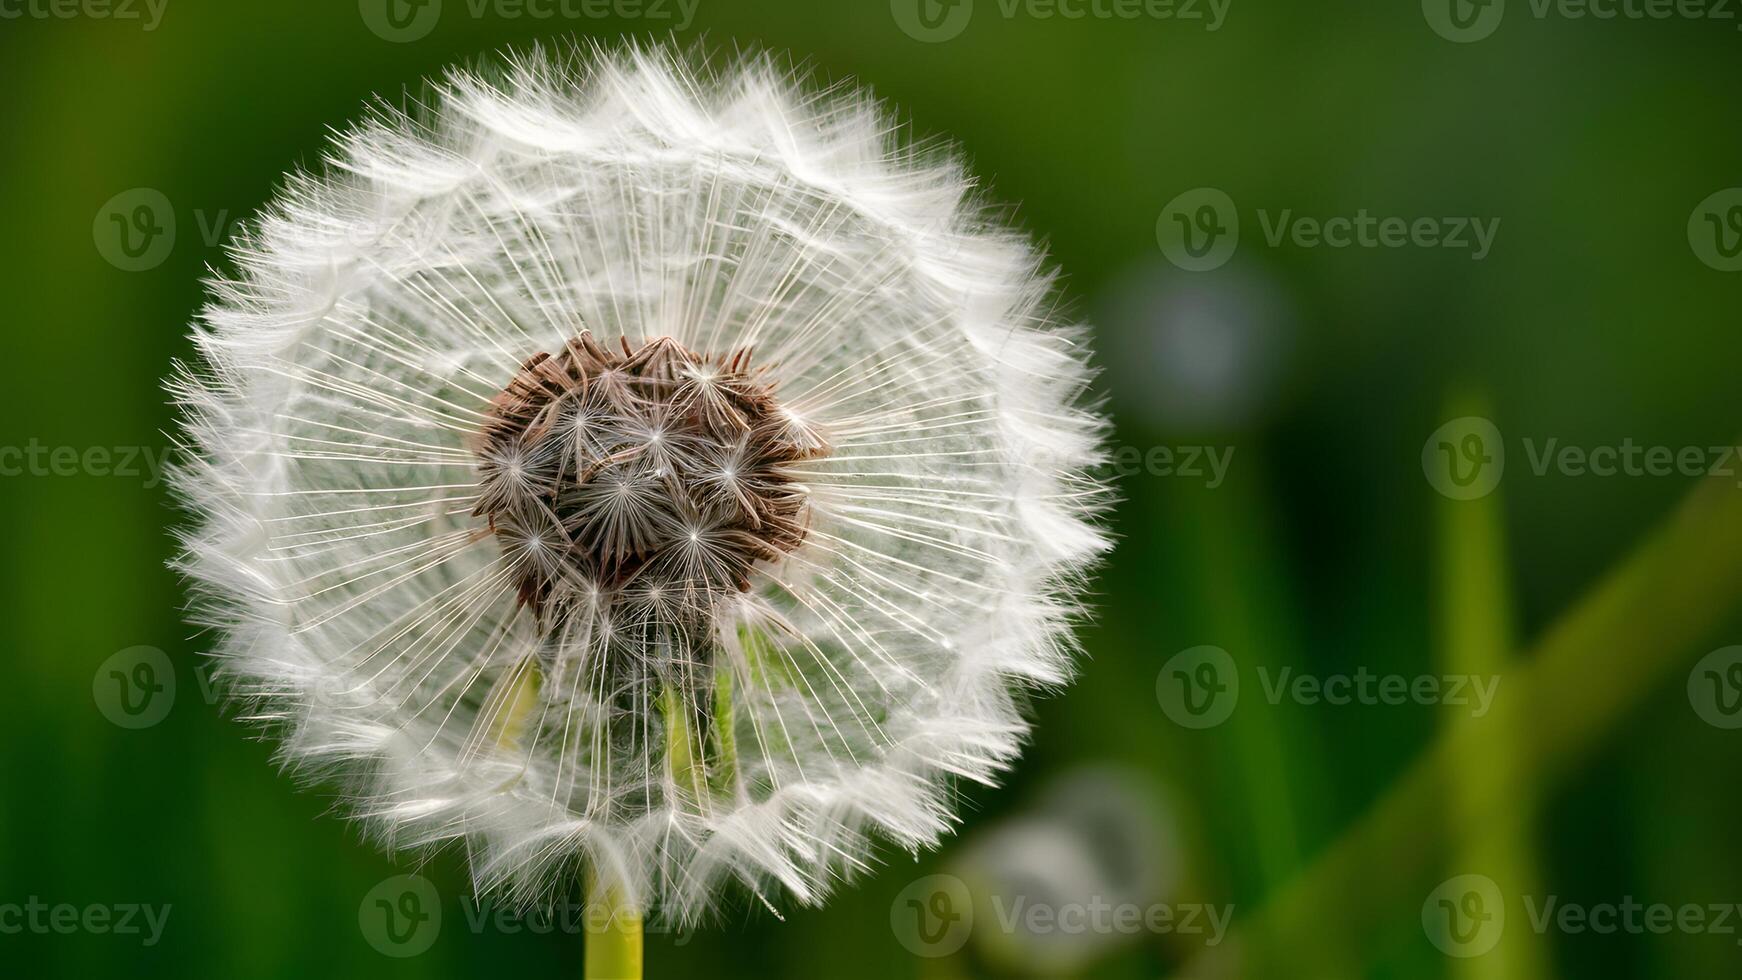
column 627, row 464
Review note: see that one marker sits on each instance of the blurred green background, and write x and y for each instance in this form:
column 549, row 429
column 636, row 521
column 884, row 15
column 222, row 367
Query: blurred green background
column 1320, row 374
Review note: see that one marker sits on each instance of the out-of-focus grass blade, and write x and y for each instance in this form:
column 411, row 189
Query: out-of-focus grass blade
column 1244, row 607
column 1476, row 641
column 1609, row 651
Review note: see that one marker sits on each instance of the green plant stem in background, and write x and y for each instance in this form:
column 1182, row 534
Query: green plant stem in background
column 1594, row 664
column 685, row 758
column 1476, row 640
column 1228, row 538
column 724, row 773
column 510, row 706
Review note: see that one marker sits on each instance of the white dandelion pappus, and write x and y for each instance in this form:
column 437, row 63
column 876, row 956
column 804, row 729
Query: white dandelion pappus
column 625, row 464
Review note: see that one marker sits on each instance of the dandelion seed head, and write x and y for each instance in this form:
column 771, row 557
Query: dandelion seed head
column 628, row 463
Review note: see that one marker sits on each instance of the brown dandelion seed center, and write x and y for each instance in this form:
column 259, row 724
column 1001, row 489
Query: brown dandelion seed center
column 648, row 474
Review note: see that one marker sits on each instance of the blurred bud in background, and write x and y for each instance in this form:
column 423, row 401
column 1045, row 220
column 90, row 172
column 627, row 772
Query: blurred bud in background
column 1046, row 883
column 1195, row 352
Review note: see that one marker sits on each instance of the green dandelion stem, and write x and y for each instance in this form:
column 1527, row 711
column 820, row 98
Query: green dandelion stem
column 613, row 935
